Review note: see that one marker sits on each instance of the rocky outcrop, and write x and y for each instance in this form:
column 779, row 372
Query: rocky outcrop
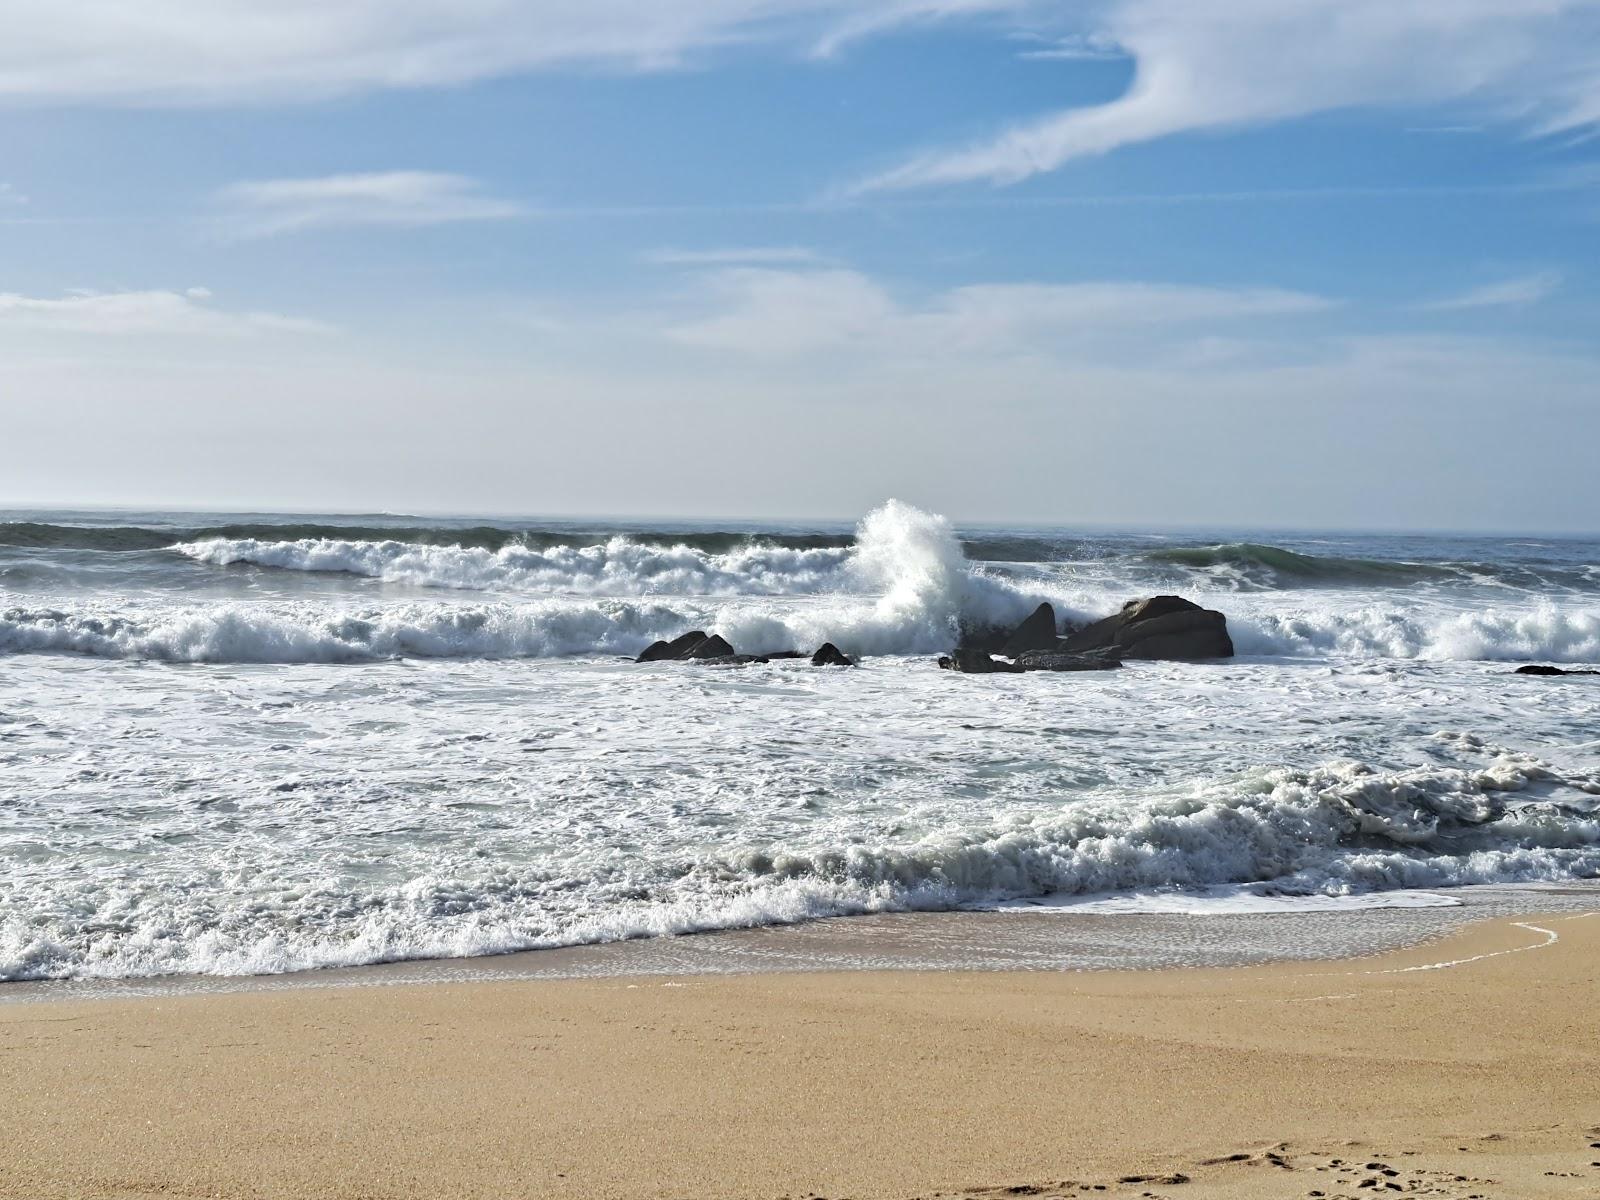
column 715, row 650
column 715, row 646
column 1037, row 632
column 829, row 655
column 1539, row 669
column 977, row 662
column 1162, row 627
column 1055, row 660
column 678, row 647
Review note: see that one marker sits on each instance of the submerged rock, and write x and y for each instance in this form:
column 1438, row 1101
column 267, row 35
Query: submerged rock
column 829, row 655
column 977, row 662
column 1055, row 660
column 1037, row 632
column 1540, row 669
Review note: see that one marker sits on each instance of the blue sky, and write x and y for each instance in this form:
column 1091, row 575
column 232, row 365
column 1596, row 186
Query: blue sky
column 1330, row 262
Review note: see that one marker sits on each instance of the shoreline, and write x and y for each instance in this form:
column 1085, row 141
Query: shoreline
column 1466, row 1066
column 1040, row 937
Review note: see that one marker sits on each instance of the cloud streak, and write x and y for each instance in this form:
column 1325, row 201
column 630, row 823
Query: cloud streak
column 1228, row 64
column 758, row 311
column 263, row 208
column 141, row 313
column 724, row 256
column 1519, row 292
column 222, row 51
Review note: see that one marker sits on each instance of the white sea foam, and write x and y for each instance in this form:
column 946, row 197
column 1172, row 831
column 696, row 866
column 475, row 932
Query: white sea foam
column 617, row 567
column 920, row 612
column 1339, row 830
column 499, row 790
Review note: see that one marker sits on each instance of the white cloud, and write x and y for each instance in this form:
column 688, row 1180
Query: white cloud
column 399, row 198
column 209, row 51
column 725, row 256
column 1081, row 47
column 1219, row 64
column 1506, row 293
column 9, row 195
column 149, row 312
column 768, row 311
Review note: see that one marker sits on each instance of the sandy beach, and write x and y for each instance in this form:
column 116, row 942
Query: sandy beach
column 1463, row 1068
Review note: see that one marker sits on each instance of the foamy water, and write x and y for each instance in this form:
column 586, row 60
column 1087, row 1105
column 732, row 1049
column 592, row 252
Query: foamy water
column 242, row 745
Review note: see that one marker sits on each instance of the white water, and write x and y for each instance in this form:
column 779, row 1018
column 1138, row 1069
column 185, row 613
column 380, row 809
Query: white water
column 242, row 755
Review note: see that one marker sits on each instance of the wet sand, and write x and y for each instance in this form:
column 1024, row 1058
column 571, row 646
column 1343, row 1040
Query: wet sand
column 1468, row 1067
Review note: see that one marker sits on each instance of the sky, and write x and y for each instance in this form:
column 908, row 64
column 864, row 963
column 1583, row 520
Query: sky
column 1269, row 263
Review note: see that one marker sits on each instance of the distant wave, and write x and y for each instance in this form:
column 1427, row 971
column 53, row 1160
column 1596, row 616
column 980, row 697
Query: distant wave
column 485, row 537
column 917, row 592
column 1254, row 561
column 1341, row 828
column 1254, row 566
column 618, row 567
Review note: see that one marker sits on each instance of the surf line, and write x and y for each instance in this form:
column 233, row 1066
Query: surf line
column 1550, row 936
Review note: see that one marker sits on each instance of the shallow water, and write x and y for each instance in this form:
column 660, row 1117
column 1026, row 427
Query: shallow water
column 246, row 744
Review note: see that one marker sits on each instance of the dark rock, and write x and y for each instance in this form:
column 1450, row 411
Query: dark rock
column 978, row 662
column 1037, row 632
column 784, row 654
column 1156, row 606
column 1055, row 660
column 1160, row 627
column 829, row 655
column 678, row 647
column 989, row 639
column 1182, row 633
column 714, row 646
column 1539, row 669
column 946, row 663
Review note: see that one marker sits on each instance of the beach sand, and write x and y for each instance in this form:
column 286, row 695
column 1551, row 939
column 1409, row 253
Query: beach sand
column 1469, row 1067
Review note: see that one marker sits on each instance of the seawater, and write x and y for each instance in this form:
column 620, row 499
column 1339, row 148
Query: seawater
column 254, row 743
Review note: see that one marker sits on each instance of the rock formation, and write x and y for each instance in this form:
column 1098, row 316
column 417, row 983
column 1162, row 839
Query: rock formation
column 1162, row 627
column 829, row 655
column 1037, row 632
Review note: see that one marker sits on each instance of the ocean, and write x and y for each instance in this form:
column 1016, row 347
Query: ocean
column 243, row 744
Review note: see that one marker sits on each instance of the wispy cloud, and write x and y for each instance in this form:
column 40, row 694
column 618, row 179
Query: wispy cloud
column 777, row 312
column 221, row 51
column 1082, row 47
column 262, row 208
column 1518, row 292
column 10, row 196
column 187, row 312
column 1235, row 63
column 727, row 256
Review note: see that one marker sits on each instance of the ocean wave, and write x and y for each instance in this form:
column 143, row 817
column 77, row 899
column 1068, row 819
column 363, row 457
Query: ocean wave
column 916, row 614
column 1544, row 632
column 1256, row 566
column 124, row 538
column 1338, row 829
column 618, row 567
column 1259, row 565
column 918, row 590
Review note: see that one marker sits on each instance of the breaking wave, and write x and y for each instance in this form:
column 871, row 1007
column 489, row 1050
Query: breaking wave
column 1338, row 829
column 618, row 567
column 910, row 561
column 1255, row 566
